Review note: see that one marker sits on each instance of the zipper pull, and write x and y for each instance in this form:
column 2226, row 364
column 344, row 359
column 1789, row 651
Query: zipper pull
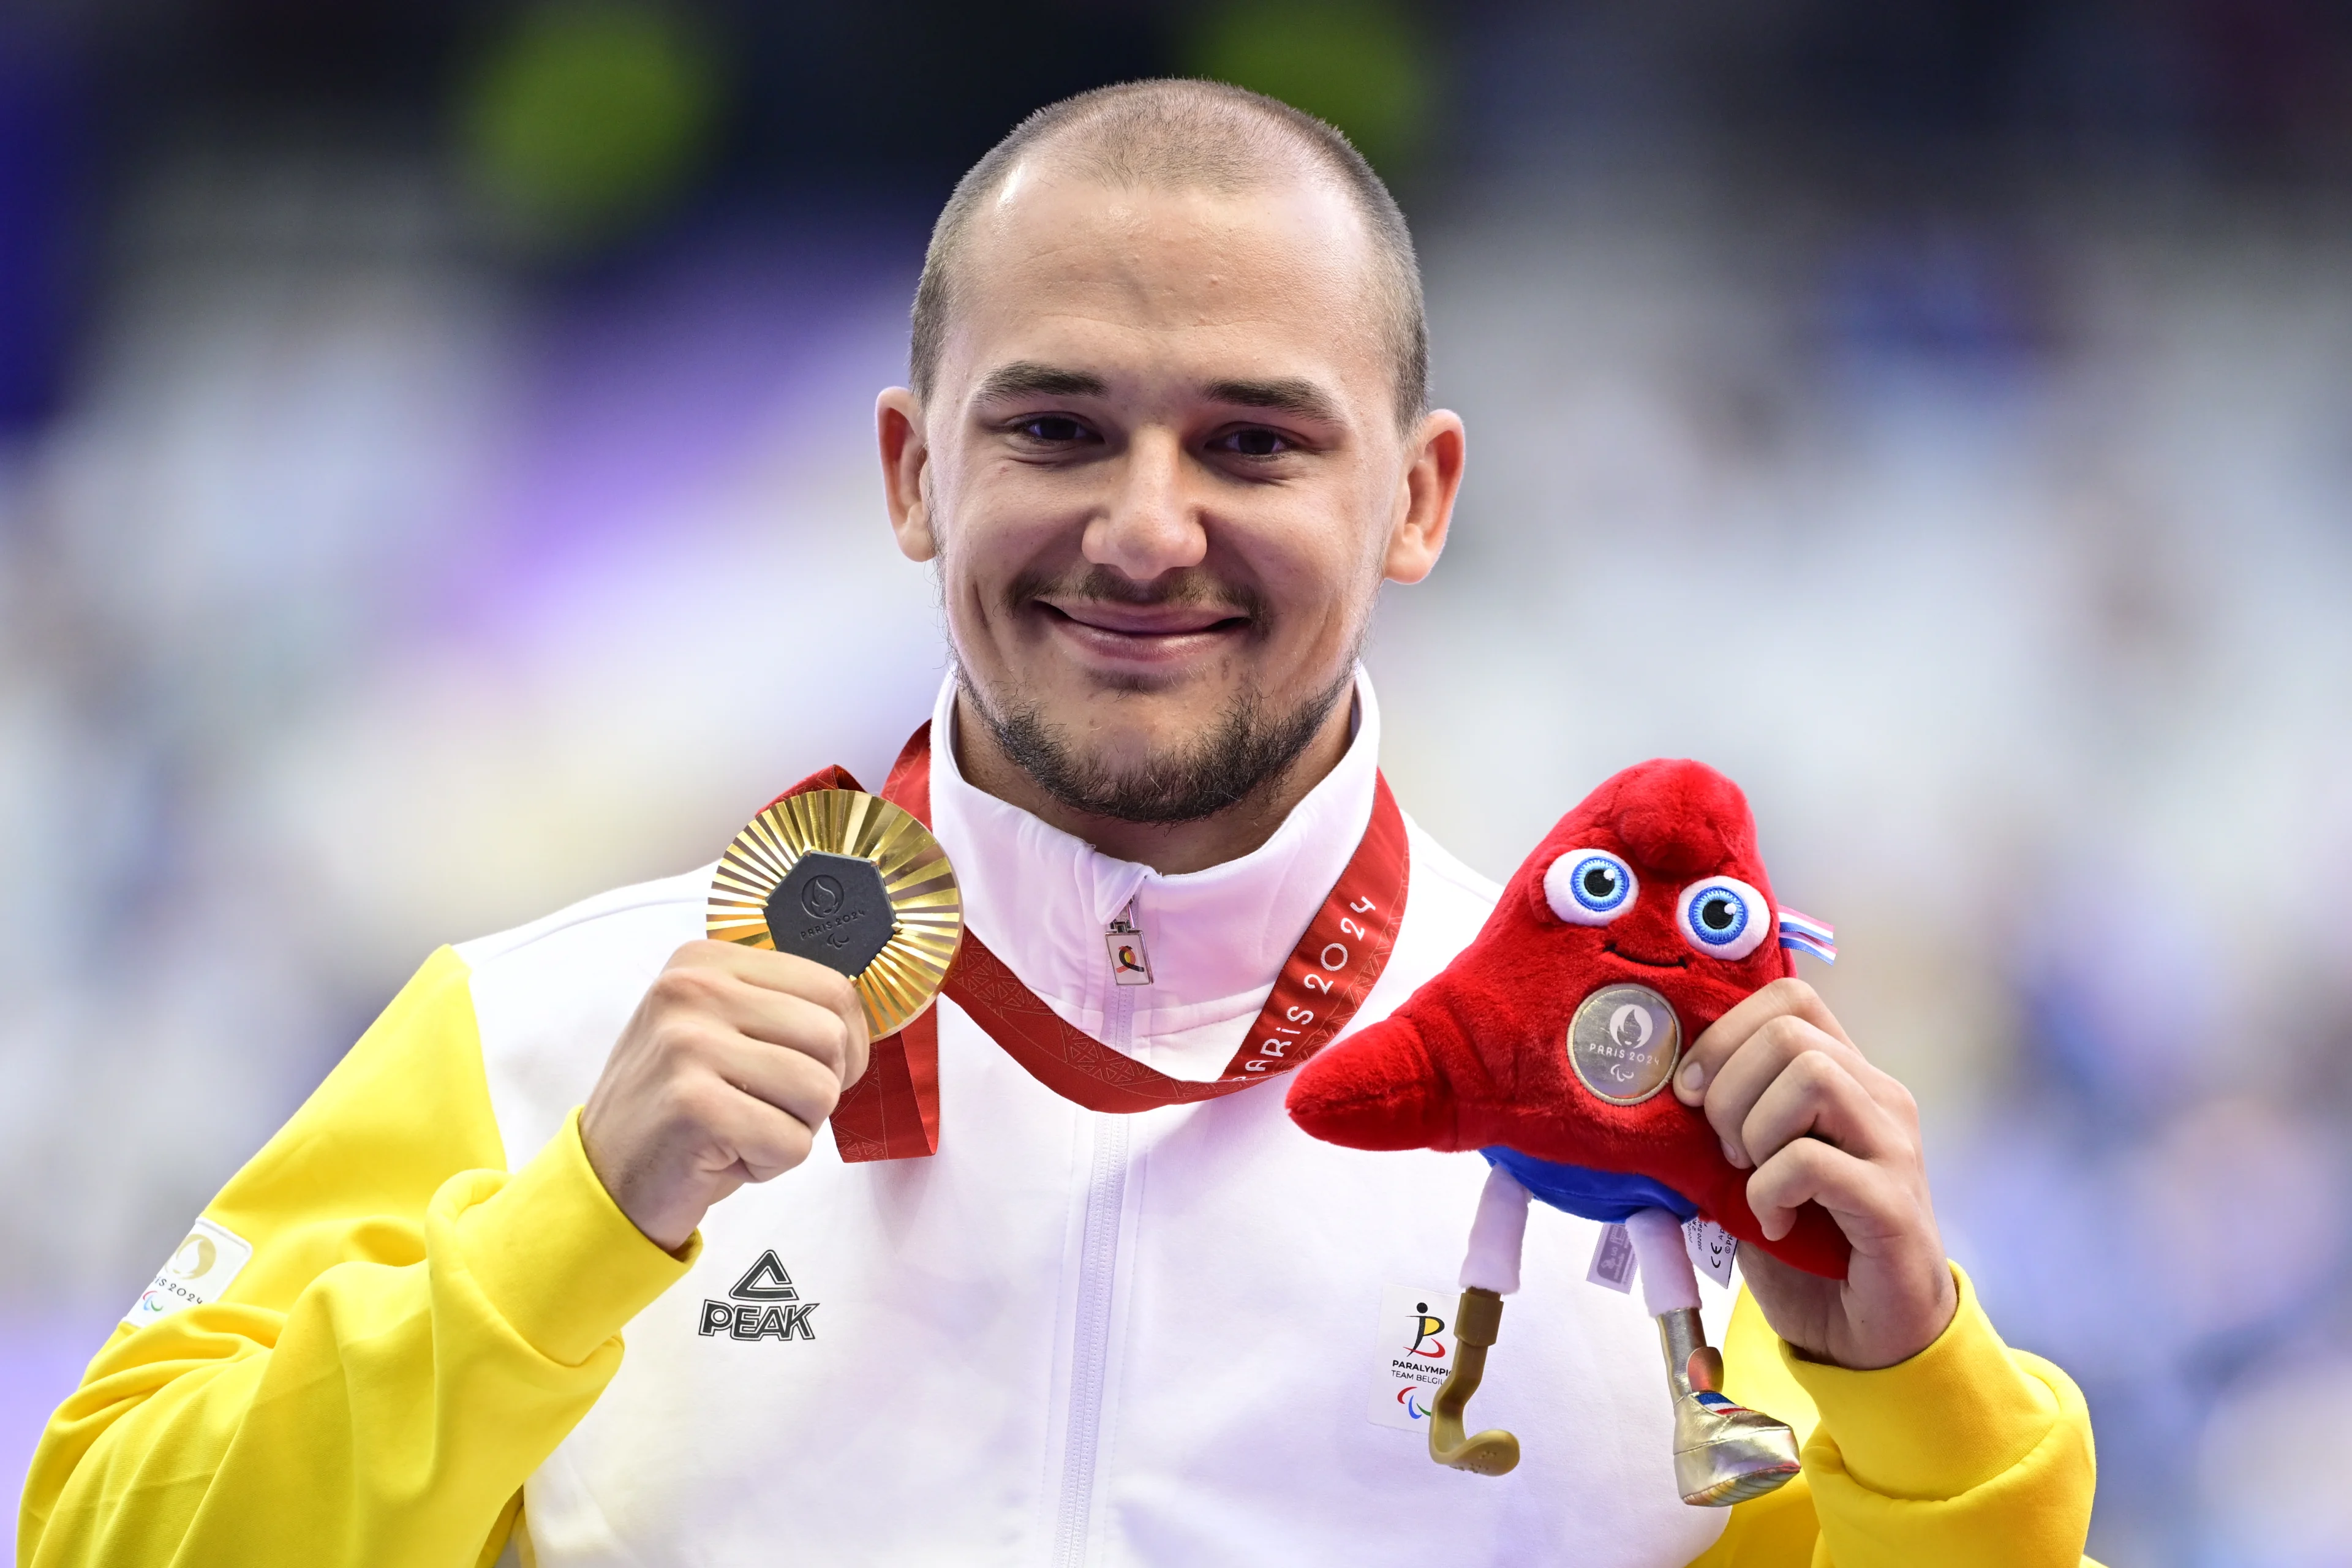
column 1130, row 963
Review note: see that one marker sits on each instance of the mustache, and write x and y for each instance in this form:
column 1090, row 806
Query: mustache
column 1189, row 588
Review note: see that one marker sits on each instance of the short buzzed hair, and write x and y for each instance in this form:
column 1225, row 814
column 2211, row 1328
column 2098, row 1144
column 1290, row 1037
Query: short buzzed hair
column 1180, row 133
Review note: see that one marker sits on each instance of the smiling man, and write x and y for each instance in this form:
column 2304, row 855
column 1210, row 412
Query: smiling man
column 1165, row 438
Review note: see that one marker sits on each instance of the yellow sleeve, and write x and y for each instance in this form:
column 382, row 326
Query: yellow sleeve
column 1968, row 1453
column 415, row 1330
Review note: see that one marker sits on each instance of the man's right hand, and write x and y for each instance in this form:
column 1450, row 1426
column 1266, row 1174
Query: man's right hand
column 734, row 1059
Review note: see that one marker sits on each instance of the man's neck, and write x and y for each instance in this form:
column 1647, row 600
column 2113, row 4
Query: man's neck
column 1167, row 848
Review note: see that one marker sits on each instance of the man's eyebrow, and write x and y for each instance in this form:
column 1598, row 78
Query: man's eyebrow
column 1290, row 396
column 1027, row 378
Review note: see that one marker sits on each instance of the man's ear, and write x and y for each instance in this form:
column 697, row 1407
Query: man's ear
column 1427, row 504
column 899, row 427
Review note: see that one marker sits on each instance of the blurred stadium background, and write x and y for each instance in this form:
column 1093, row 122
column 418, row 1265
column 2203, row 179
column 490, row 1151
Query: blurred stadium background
column 419, row 422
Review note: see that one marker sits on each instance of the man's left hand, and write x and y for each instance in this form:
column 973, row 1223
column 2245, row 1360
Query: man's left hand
column 1795, row 1103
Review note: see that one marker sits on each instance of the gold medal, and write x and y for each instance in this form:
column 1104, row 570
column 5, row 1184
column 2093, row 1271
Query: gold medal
column 850, row 881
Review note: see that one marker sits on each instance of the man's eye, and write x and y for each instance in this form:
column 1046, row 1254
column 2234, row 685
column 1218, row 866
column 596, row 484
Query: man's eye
column 1054, row 429
column 1254, row 442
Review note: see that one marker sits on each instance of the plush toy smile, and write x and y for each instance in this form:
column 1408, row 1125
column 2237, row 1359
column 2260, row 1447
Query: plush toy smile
column 1615, row 951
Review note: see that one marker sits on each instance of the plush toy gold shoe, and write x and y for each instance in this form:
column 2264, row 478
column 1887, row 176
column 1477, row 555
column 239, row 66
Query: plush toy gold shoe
column 1724, row 1453
column 1490, row 1453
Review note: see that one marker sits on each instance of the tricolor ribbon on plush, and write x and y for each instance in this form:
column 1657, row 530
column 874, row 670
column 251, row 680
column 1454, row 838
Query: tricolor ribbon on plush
column 1803, row 933
column 893, row 1112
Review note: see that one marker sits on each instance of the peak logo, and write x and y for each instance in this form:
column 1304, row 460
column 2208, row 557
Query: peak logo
column 763, row 1305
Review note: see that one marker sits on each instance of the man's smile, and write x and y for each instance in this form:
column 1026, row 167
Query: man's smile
column 1143, row 634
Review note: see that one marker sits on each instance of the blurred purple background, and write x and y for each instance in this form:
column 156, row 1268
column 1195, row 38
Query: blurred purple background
column 429, row 434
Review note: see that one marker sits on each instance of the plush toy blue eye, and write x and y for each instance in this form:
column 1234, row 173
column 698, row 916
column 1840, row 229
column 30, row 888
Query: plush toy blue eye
column 1589, row 886
column 1723, row 917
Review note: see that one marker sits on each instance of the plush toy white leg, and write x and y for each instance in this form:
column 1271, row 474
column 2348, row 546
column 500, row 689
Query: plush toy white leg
column 1669, row 1283
column 1490, row 1271
column 1497, row 1237
column 1724, row 1453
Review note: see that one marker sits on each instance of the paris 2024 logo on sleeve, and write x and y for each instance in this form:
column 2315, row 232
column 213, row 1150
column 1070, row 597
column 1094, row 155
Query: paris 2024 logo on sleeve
column 197, row 1274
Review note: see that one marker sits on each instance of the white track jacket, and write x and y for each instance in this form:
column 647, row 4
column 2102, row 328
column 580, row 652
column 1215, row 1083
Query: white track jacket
column 1068, row 1340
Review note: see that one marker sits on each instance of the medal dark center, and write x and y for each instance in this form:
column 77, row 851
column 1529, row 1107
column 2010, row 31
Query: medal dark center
column 832, row 910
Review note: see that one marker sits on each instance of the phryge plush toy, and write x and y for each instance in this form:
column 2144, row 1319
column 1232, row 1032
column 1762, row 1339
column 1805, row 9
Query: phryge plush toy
column 1548, row 1045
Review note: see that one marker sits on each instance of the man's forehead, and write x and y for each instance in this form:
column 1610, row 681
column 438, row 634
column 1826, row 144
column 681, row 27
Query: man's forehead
column 1186, row 249
column 1061, row 268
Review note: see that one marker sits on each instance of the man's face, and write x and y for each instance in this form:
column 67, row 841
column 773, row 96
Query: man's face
column 1161, row 469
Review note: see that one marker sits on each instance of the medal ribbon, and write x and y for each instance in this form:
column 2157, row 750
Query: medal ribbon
column 893, row 1112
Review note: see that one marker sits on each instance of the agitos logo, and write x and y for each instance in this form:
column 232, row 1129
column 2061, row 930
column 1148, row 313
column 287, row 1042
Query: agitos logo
column 765, row 1306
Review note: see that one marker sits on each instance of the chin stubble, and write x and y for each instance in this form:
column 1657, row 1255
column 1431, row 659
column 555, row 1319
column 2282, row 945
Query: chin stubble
column 1245, row 751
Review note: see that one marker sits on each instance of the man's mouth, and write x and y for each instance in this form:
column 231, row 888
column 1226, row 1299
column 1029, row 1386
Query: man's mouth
column 1611, row 948
column 1147, row 633
column 1146, row 620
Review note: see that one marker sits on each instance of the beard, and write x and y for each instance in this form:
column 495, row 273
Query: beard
column 1249, row 747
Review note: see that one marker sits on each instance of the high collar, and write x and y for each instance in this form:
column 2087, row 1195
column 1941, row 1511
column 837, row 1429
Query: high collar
column 1045, row 900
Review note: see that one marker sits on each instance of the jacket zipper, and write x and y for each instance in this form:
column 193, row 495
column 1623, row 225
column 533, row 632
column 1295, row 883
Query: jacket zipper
column 1098, row 1274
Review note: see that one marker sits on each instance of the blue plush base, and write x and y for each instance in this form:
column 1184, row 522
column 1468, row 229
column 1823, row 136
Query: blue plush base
column 1605, row 1196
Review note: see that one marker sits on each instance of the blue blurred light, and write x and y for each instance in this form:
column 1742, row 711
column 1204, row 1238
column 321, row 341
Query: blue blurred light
column 41, row 173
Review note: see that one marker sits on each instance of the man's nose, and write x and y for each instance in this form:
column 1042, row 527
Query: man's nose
column 1151, row 525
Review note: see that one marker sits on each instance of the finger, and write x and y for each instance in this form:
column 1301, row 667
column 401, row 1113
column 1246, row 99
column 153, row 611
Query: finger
column 1867, row 1203
column 1789, row 997
column 795, row 1023
column 773, row 971
column 1814, row 1096
column 788, row 974
column 795, row 976
column 688, row 998
column 760, row 1140
column 1748, row 1072
column 798, row 1084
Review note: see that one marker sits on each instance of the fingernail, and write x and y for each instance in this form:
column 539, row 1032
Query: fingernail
column 1738, row 1161
column 1693, row 1077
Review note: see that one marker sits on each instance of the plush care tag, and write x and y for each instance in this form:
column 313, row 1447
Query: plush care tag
column 1613, row 1259
column 1712, row 1249
column 1412, row 1355
column 194, row 1276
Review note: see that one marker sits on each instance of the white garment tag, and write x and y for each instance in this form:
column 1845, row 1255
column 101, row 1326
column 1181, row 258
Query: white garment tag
column 1613, row 1259
column 1412, row 1355
column 1712, row 1249
column 195, row 1275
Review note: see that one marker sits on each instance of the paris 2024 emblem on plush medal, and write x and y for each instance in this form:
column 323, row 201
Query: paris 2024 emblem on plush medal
column 1624, row 1043
column 848, row 880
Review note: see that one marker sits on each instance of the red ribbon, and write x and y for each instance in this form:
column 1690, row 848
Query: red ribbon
column 893, row 1112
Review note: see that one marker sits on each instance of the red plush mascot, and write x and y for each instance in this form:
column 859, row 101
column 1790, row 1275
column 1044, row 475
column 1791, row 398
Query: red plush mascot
column 1549, row 1044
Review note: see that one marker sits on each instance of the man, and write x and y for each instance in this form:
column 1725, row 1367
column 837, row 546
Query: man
column 1165, row 436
